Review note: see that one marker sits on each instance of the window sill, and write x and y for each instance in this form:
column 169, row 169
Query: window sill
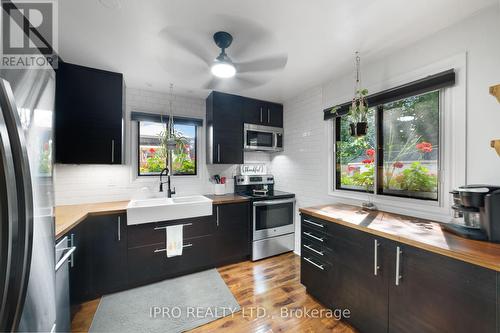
column 430, row 210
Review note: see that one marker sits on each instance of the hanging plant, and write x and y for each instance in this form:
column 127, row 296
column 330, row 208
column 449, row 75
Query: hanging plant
column 358, row 111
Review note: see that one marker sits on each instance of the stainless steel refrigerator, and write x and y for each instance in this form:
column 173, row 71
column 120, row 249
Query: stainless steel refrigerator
column 27, row 271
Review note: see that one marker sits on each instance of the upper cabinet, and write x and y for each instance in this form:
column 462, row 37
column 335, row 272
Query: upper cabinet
column 89, row 115
column 262, row 113
column 226, row 115
column 224, row 129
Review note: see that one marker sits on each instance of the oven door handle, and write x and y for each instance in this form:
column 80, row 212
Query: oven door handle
column 273, row 202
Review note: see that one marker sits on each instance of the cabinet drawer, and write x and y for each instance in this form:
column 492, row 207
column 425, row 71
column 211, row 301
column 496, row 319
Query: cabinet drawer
column 146, row 264
column 315, row 223
column 319, row 239
column 153, row 233
column 316, row 250
column 314, row 275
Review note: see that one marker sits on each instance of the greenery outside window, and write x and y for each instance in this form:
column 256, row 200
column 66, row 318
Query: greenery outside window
column 407, row 163
column 152, row 155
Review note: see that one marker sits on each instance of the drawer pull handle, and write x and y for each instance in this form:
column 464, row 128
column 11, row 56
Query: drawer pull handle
column 314, row 250
column 312, row 236
column 376, row 266
column 315, row 264
column 314, row 223
column 399, row 252
column 165, row 227
column 164, row 250
column 119, row 228
column 72, row 244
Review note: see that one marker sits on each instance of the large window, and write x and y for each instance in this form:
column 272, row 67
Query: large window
column 152, row 156
column 407, row 134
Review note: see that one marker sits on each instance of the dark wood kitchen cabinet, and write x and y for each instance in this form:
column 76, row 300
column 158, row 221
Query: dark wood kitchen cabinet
column 226, row 114
column 99, row 263
column 338, row 269
column 109, row 253
column 148, row 261
column 440, row 294
column 262, row 113
column 357, row 284
column 111, row 256
column 232, row 239
column 430, row 293
column 79, row 263
column 209, row 241
column 224, row 129
column 89, row 115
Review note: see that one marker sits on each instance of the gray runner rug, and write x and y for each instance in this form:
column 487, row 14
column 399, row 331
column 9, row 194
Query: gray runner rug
column 173, row 305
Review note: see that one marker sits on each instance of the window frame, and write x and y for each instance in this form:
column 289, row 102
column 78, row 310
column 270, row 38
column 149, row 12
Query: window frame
column 158, row 174
column 338, row 169
column 454, row 149
column 378, row 181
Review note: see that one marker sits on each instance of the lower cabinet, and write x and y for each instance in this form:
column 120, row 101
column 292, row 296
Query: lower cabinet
column 231, row 241
column 360, row 279
column 149, row 263
column 209, row 241
column 439, row 294
column 98, row 265
column 313, row 274
column 79, row 274
column 108, row 249
column 111, row 256
column 393, row 287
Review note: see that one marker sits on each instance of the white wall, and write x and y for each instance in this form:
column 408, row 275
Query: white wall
column 478, row 37
column 76, row 184
column 303, row 166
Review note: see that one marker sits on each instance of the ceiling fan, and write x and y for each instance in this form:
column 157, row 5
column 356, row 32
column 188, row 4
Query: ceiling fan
column 223, row 67
column 224, row 71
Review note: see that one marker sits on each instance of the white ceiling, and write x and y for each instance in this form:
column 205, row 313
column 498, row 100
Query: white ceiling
column 319, row 36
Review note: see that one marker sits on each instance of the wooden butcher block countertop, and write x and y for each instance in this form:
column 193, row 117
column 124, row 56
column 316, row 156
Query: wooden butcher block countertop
column 226, row 198
column 416, row 232
column 67, row 217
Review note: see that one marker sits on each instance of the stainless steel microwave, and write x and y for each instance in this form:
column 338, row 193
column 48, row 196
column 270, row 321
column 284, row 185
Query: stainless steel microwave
column 262, row 138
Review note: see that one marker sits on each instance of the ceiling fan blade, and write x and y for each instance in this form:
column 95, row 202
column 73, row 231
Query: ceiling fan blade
column 265, row 64
column 234, row 84
column 212, row 84
column 196, row 43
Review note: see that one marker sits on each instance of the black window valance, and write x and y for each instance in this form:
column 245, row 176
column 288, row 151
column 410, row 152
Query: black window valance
column 433, row 82
column 144, row 116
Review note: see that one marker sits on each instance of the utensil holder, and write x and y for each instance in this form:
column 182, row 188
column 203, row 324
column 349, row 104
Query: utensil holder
column 219, row 189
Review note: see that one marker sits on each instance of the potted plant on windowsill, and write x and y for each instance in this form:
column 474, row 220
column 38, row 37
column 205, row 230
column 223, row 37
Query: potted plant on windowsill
column 358, row 114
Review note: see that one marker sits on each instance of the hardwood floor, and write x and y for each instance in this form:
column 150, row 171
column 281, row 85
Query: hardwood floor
column 271, row 284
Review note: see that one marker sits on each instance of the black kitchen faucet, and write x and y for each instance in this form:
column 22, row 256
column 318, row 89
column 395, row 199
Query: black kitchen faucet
column 169, row 190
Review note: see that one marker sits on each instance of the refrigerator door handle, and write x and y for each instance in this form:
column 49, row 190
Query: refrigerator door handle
column 20, row 189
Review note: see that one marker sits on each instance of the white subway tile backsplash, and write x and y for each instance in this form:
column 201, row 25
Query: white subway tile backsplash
column 76, row 184
column 302, row 167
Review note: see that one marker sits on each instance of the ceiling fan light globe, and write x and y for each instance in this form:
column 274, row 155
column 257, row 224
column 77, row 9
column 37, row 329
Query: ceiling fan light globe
column 223, row 70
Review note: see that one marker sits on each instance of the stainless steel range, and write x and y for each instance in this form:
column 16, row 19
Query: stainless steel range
column 273, row 215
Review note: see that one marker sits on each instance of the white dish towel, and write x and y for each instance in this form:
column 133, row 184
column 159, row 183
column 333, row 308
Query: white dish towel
column 174, row 240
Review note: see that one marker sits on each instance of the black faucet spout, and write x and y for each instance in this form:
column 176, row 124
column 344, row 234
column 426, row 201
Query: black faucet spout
column 170, row 192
